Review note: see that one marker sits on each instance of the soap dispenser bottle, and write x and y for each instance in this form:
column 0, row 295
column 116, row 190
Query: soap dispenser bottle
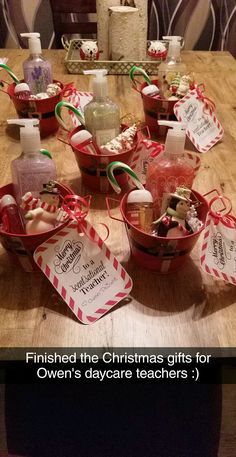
column 170, row 169
column 173, row 63
column 31, row 169
column 37, row 70
column 102, row 115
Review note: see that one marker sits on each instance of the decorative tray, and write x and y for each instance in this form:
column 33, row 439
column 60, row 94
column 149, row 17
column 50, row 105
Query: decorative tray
column 75, row 65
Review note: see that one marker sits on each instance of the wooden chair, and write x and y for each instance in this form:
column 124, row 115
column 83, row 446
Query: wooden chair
column 74, row 17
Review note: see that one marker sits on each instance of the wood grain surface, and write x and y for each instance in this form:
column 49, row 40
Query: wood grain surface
column 188, row 308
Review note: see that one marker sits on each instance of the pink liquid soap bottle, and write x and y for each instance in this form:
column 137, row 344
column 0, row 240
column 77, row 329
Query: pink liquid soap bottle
column 170, row 169
column 31, row 169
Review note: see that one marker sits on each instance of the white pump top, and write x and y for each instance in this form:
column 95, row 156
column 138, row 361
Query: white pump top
column 174, row 45
column 99, row 82
column 29, row 134
column 175, row 139
column 34, row 42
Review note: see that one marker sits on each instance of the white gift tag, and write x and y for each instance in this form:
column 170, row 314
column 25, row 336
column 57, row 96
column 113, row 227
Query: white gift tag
column 142, row 157
column 203, row 128
column 218, row 254
column 83, row 271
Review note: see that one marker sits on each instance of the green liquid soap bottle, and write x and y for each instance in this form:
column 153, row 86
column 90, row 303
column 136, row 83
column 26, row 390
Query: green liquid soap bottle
column 102, row 115
column 173, row 64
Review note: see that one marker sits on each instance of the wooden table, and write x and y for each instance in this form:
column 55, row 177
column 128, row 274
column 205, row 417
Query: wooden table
column 188, row 308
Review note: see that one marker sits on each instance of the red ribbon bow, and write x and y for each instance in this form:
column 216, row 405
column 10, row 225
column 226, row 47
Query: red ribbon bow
column 209, row 104
column 78, row 208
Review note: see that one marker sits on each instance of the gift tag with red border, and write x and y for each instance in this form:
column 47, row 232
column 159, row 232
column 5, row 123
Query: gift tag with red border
column 145, row 153
column 79, row 100
column 83, row 271
column 203, row 128
column 218, row 253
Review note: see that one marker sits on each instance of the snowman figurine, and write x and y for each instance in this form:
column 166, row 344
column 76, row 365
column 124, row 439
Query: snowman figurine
column 42, row 213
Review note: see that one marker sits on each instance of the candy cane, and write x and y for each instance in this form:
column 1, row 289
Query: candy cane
column 10, row 72
column 135, row 69
column 71, row 107
column 110, row 174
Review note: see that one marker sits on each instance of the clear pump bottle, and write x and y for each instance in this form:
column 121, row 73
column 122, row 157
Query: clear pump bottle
column 170, row 169
column 37, row 70
column 173, row 62
column 102, row 115
column 31, row 169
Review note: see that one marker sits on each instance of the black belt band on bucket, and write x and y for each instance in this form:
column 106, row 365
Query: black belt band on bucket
column 162, row 112
column 98, row 172
column 165, row 252
column 36, row 115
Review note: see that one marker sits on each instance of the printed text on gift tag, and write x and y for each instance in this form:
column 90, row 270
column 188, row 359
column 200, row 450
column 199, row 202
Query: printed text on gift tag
column 83, row 271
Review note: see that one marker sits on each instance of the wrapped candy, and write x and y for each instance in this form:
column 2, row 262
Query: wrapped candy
column 53, row 89
column 122, row 142
column 42, row 95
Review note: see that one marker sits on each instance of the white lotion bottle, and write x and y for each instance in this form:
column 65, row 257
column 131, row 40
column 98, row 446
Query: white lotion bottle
column 173, row 62
column 102, row 115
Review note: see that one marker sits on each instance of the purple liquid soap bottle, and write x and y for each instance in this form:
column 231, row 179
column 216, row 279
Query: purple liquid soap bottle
column 31, row 169
column 37, row 70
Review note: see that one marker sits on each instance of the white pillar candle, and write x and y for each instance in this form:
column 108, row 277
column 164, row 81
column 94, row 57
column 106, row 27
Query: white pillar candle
column 123, row 33
column 102, row 25
column 142, row 5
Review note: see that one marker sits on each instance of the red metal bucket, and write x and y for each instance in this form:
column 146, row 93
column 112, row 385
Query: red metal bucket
column 44, row 109
column 20, row 248
column 93, row 167
column 155, row 110
column 156, row 253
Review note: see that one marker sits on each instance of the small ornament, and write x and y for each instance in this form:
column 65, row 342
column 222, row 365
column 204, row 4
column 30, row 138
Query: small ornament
column 175, row 83
column 89, row 50
column 123, row 141
column 192, row 219
column 184, row 85
column 157, row 50
column 173, row 223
